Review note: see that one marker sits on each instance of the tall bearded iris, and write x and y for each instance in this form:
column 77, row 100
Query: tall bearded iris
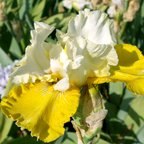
column 44, row 88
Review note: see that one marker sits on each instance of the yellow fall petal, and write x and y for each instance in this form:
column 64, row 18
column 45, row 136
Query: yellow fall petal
column 129, row 73
column 98, row 80
column 130, row 69
column 131, row 63
column 128, row 54
column 40, row 109
column 136, row 86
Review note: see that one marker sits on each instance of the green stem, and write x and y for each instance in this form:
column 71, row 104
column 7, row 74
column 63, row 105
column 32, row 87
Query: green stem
column 90, row 115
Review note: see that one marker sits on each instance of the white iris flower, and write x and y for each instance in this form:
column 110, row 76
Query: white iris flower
column 44, row 90
column 85, row 51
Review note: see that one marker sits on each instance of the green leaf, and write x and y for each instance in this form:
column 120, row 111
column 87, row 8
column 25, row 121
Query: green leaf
column 59, row 20
column 115, row 92
column 70, row 138
column 112, row 110
column 119, row 131
column 125, row 101
column 15, row 49
column 135, row 117
column 24, row 140
column 142, row 10
column 37, row 11
column 140, row 134
column 105, row 137
column 5, row 126
column 23, row 8
column 116, row 87
column 7, row 140
column 4, row 58
column 59, row 140
column 102, row 142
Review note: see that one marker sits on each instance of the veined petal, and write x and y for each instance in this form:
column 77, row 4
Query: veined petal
column 128, row 54
column 129, row 72
column 131, row 63
column 36, row 61
column 99, row 80
column 136, row 86
column 89, row 45
column 130, row 69
column 40, row 33
column 34, row 64
column 40, row 109
column 93, row 26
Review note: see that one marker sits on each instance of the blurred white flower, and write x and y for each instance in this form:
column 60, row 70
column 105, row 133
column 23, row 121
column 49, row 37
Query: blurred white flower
column 116, row 5
column 132, row 9
column 118, row 2
column 78, row 4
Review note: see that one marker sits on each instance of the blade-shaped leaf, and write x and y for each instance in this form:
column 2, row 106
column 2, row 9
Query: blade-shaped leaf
column 15, row 49
column 37, row 11
column 135, row 117
column 70, row 138
column 125, row 101
column 4, row 58
column 5, row 126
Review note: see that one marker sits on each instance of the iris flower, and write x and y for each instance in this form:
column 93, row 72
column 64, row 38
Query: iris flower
column 44, row 88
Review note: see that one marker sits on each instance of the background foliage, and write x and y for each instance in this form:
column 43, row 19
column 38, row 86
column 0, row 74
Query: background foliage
column 125, row 121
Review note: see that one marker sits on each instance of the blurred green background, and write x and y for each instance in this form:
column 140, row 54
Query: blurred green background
column 124, row 123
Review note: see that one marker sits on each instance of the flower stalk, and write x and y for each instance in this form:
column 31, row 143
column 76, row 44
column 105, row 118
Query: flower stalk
column 90, row 115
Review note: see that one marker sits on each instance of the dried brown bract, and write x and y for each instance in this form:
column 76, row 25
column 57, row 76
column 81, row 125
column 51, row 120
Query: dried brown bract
column 131, row 11
column 2, row 14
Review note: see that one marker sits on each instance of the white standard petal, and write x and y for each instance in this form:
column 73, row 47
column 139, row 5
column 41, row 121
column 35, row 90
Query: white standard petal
column 36, row 60
column 94, row 26
column 89, row 45
column 40, row 32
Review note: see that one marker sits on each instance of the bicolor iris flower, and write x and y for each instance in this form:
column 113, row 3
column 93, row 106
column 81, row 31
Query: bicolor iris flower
column 44, row 88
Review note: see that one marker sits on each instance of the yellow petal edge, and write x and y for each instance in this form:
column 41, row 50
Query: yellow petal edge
column 40, row 109
column 129, row 70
